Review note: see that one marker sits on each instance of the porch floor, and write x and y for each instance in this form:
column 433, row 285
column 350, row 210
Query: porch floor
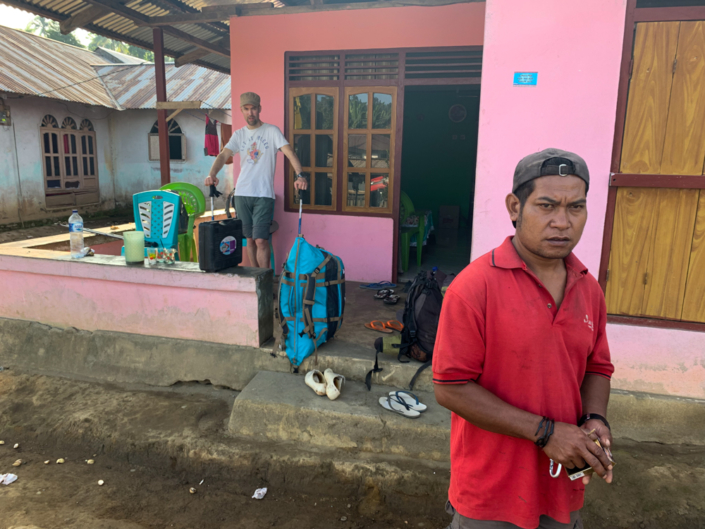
column 352, row 351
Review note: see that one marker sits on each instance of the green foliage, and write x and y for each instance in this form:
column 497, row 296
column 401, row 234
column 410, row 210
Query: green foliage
column 324, row 112
column 51, row 30
column 382, row 111
column 357, row 112
column 120, row 47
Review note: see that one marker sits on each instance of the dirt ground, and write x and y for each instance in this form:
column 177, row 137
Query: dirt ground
column 656, row 486
column 138, row 497
column 37, row 229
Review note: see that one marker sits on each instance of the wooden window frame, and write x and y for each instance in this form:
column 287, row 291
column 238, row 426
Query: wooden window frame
column 313, row 132
column 368, row 170
column 634, row 16
column 400, row 82
column 81, row 177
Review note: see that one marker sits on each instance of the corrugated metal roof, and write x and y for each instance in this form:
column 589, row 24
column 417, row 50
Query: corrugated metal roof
column 44, row 67
column 133, row 86
column 117, row 27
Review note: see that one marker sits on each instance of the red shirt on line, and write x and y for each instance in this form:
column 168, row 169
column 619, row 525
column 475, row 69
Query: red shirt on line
column 499, row 327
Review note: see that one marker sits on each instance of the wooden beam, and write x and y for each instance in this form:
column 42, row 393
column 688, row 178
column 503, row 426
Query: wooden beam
column 207, row 14
column 85, row 16
column 224, row 12
column 136, row 17
column 177, row 105
column 190, row 57
column 173, row 115
column 258, row 11
column 162, row 125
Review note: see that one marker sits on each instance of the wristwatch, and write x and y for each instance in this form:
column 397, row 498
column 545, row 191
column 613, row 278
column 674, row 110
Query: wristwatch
column 588, row 416
column 301, row 175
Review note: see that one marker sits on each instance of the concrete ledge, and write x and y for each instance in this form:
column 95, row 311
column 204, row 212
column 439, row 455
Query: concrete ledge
column 646, row 417
column 102, row 293
column 280, row 407
column 156, row 361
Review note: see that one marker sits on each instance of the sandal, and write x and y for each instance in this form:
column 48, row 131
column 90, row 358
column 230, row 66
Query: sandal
column 399, row 407
column 382, row 294
column 377, row 286
column 391, row 299
column 379, row 326
column 395, row 325
column 408, row 399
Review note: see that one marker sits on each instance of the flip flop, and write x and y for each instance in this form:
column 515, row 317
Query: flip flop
column 409, row 399
column 378, row 325
column 391, row 299
column 378, row 286
column 384, row 293
column 395, row 325
column 396, row 406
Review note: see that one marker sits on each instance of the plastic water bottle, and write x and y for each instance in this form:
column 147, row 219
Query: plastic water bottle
column 76, row 234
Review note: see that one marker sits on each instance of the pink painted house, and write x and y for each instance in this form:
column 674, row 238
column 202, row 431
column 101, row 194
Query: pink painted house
column 423, row 101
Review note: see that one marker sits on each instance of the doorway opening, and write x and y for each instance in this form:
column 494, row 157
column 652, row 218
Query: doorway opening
column 438, row 175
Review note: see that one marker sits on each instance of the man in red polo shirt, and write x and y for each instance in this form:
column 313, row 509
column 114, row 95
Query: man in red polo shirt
column 522, row 361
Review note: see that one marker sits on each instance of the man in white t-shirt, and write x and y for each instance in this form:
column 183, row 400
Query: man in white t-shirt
column 257, row 144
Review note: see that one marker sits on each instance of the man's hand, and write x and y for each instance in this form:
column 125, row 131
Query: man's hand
column 301, row 184
column 573, row 448
column 605, row 436
column 212, row 181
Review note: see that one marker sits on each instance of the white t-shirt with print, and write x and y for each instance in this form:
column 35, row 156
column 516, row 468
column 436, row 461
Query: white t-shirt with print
column 258, row 159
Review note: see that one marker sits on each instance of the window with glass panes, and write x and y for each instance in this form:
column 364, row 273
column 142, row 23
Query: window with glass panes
column 69, row 155
column 341, row 119
column 313, row 133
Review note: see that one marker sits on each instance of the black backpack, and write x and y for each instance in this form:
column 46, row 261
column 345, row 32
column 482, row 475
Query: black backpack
column 422, row 311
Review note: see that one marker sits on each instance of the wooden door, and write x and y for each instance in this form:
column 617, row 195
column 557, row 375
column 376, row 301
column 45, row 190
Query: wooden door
column 657, row 258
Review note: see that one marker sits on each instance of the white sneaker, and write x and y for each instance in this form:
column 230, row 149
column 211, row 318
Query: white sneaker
column 334, row 383
column 314, row 380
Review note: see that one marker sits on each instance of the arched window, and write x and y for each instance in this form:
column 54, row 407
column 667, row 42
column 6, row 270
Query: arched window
column 87, row 125
column 70, row 162
column 68, row 123
column 50, row 122
column 177, row 142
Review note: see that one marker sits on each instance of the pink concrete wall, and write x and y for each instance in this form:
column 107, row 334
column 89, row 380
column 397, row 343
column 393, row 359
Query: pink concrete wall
column 258, row 45
column 576, row 49
column 154, row 302
column 663, row 361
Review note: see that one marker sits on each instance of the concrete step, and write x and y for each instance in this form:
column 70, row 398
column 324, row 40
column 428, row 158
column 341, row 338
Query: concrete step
column 280, row 407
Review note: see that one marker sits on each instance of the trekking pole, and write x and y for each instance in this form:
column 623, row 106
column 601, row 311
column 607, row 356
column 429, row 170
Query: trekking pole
column 301, row 205
column 214, row 193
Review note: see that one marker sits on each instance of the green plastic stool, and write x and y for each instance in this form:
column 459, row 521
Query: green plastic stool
column 406, row 208
column 195, row 204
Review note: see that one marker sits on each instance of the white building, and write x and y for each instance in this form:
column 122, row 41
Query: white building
column 76, row 130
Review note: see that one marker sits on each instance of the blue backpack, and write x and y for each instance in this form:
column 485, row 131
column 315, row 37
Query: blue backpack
column 311, row 300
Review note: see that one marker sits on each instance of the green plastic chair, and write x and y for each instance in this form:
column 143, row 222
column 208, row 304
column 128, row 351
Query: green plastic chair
column 195, row 203
column 406, row 208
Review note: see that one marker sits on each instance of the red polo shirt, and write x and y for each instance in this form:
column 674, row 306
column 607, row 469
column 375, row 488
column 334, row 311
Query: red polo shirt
column 500, row 328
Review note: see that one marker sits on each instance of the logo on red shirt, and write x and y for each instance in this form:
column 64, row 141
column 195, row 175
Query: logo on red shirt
column 589, row 322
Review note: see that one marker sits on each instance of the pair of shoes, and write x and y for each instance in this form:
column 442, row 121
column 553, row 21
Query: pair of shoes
column 326, row 383
column 387, row 295
column 385, row 327
column 377, row 286
column 403, row 403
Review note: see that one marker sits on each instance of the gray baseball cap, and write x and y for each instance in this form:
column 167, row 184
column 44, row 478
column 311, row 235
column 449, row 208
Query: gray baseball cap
column 550, row 162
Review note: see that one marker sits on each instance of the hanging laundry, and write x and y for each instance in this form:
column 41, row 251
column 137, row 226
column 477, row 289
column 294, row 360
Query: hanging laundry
column 226, row 131
column 212, row 148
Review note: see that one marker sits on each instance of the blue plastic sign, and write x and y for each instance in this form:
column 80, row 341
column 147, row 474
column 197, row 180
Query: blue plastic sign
column 525, row 78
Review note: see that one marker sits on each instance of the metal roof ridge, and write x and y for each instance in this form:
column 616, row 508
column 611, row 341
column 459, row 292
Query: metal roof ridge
column 107, row 90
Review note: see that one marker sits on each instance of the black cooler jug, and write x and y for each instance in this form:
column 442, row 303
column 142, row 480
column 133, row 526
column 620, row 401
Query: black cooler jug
column 219, row 242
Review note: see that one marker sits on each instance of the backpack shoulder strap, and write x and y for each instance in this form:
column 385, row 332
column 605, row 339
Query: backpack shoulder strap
column 418, row 372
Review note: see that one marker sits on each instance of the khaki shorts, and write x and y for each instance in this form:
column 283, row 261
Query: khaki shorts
column 256, row 214
column 461, row 522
